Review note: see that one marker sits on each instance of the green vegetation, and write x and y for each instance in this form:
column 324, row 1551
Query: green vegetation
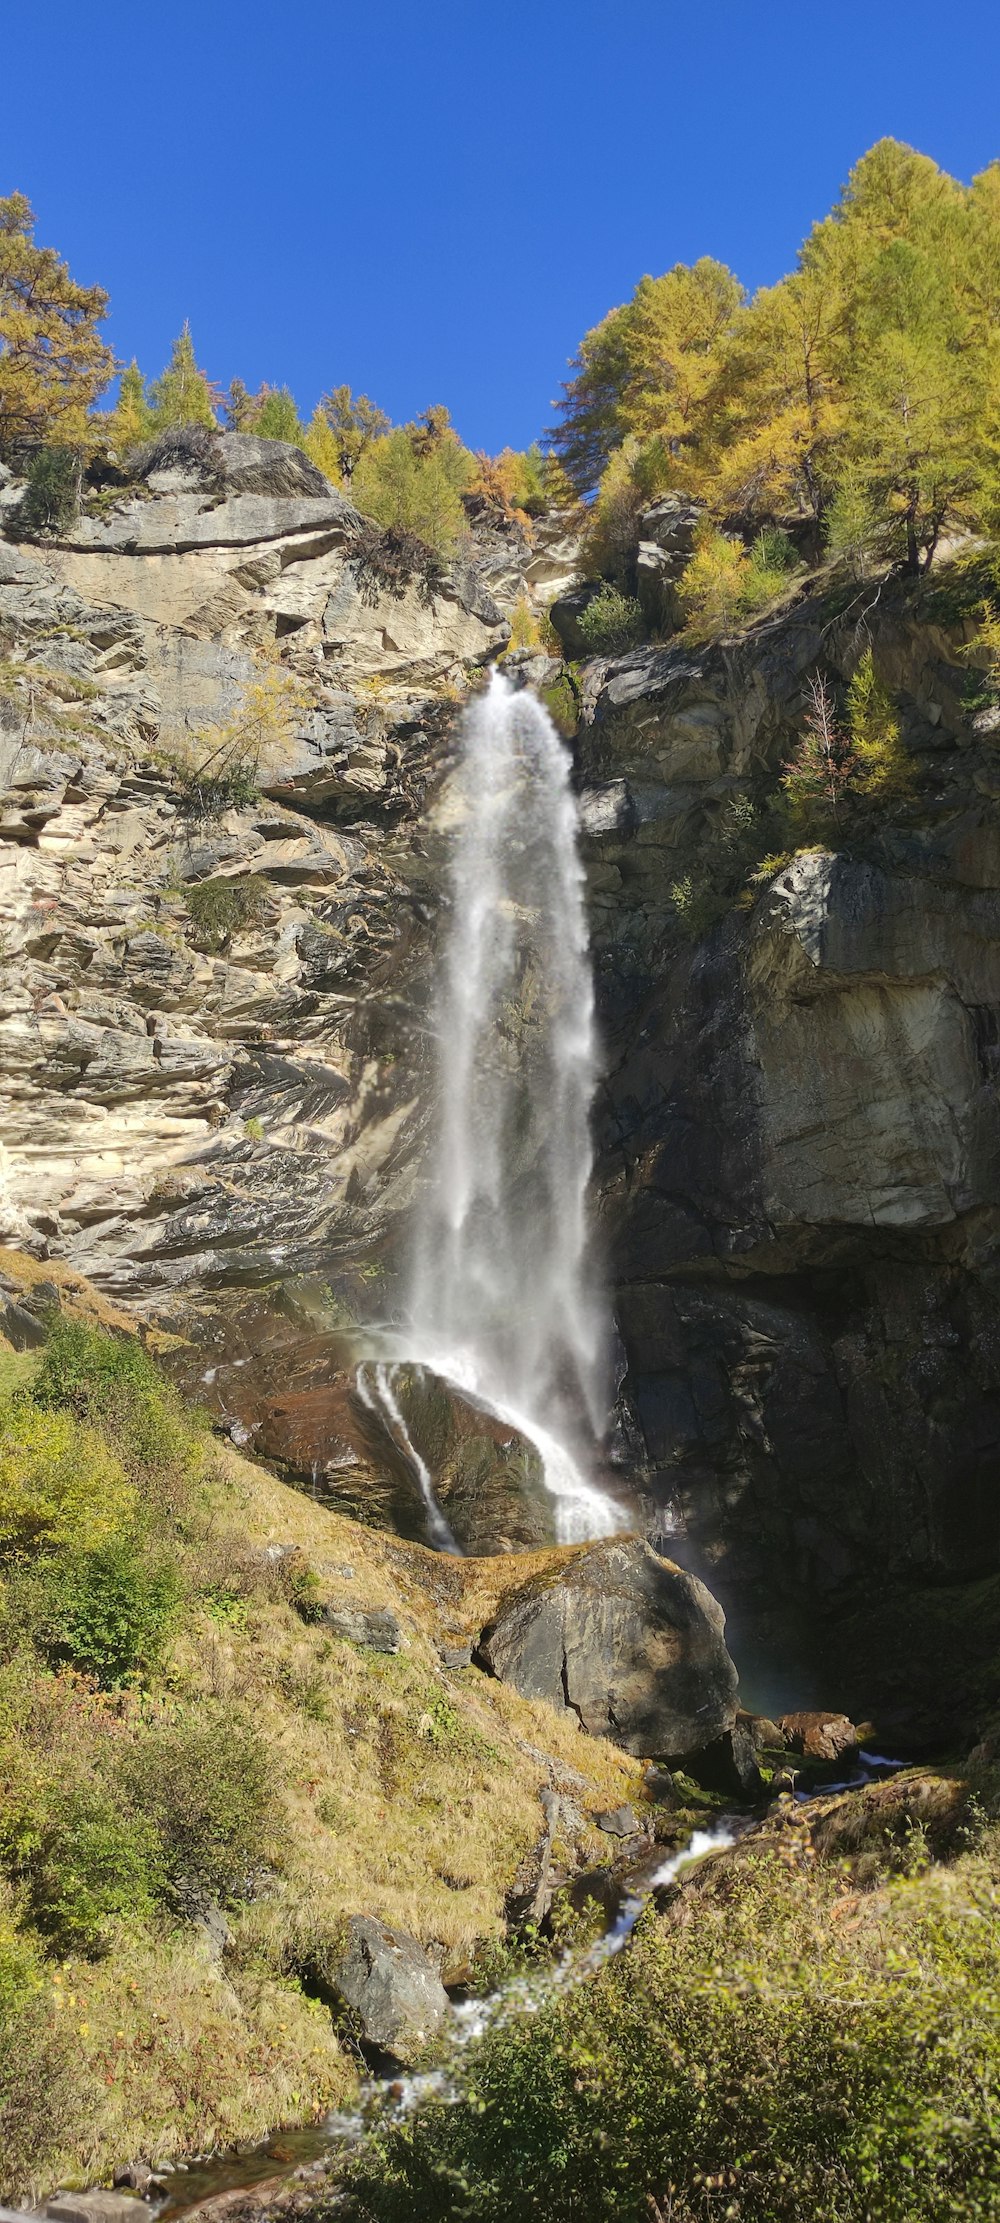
column 411, row 480
column 611, row 622
column 859, row 395
column 837, row 763
column 725, row 583
column 222, row 909
column 795, row 2050
column 51, row 498
column 224, row 765
column 180, row 1733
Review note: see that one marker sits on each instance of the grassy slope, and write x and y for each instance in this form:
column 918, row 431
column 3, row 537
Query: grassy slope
column 399, row 1789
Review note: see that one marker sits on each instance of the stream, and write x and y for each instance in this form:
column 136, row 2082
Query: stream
column 388, row 2098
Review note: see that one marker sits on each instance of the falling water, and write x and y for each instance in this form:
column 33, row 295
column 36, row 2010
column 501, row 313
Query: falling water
column 503, row 1299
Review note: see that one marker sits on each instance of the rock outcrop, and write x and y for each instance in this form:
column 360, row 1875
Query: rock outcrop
column 395, row 1994
column 801, row 1138
column 629, row 1643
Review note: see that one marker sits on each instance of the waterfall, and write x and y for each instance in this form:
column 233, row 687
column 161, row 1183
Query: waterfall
column 503, row 1299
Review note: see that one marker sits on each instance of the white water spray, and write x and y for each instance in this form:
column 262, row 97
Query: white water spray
column 503, row 1301
column 385, row 1403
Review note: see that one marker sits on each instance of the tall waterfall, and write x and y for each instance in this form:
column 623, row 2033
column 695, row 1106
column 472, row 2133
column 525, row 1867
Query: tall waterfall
column 503, row 1300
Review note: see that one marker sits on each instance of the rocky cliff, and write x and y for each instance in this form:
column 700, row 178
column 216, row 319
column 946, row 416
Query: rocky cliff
column 798, row 1129
column 800, row 1147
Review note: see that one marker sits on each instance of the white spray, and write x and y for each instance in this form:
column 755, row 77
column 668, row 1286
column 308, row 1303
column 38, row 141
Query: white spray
column 503, row 1301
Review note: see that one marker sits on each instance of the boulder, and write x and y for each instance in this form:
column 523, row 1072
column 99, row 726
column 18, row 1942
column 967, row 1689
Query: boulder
column 395, row 1994
column 666, row 539
column 820, row 1736
column 377, row 1632
column 628, row 1642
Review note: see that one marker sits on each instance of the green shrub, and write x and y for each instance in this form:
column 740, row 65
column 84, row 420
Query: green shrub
column 61, row 1487
column 724, row 583
column 884, row 770
column 221, row 909
column 111, row 1382
column 611, row 623
column 96, row 1865
column 205, row 1784
column 40, row 2088
column 51, row 499
column 112, row 1609
column 766, row 2062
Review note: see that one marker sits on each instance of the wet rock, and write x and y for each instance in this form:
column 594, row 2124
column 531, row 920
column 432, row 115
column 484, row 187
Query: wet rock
column 136, row 2177
column 625, row 1640
column 394, row 1991
column 96, row 2206
column 733, row 1763
column 819, row 1736
column 488, row 1479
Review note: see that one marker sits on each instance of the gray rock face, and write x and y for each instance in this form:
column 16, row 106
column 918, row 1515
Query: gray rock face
column 395, row 1994
column 379, row 1632
column 666, row 539
column 802, row 1139
column 628, row 1642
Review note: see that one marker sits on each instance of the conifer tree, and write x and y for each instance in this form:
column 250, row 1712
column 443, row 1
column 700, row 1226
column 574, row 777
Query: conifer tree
column 53, row 362
column 646, row 370
column 322, row 447
column 276, row 416
column 131, row 420
column 183, row 395
column 355, row 424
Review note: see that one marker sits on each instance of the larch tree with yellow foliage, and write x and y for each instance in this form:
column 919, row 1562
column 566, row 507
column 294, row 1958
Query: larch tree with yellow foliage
column 53, row 361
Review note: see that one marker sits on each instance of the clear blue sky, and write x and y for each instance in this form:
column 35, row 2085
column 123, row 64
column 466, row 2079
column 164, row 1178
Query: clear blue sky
column 433, row 202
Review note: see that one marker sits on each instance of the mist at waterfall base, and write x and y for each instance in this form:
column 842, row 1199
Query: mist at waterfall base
column 504, row 1301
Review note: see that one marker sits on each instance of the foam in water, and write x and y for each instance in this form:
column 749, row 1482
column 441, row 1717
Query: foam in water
column 384, row 1397
column 503, row 1299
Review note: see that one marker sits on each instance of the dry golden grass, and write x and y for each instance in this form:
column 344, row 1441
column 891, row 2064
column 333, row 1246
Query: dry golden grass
column 403, row 1789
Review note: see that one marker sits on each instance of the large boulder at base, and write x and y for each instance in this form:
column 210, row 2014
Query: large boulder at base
column 396, row 1995
column 629, row 1642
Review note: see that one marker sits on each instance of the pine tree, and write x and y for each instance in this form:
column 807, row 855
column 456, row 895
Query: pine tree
column 882, row 769
column 646, row 370
column 322, row 447
column 355, row 424
column 53, row 363
column 183, row 395
column 819, row 774
column 276, row 416
column 131, row 420
column 412, row 492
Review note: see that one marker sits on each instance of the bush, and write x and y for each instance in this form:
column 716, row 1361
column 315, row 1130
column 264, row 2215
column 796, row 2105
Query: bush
column 205, row 1784
column 724, row 582
column 51, row 499
column 110, row 1610
column 95, row 1866
column 111, row 1382
column 388, row 562
column 39, row 2088
column 228, row 762
column 884, row 771
column 222, row 909
column 765, row 2062
column 61, row 1487
column 611, row 623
